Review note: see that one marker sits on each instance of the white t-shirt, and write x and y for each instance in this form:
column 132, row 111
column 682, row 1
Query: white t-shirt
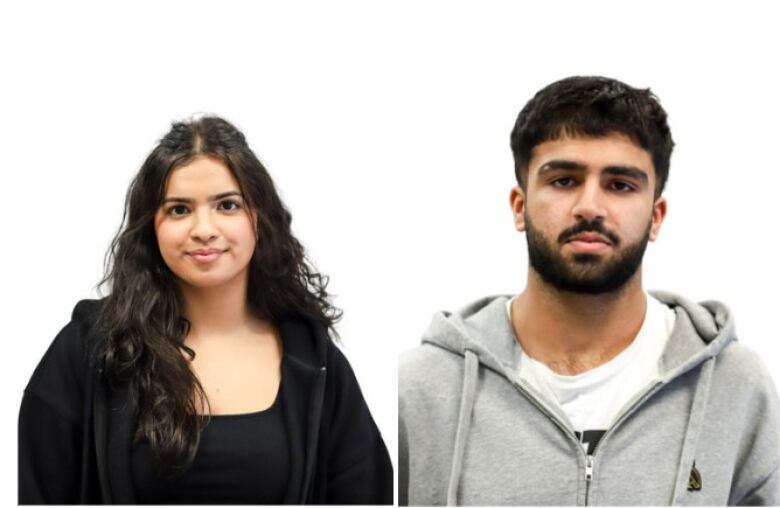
column 592, row 400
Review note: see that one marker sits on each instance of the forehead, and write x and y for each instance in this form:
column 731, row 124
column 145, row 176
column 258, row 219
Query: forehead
column 203, row 175
column 594, row 153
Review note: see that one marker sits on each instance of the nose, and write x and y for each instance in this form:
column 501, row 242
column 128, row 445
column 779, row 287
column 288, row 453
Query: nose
column 589, row 205
column 203, row 228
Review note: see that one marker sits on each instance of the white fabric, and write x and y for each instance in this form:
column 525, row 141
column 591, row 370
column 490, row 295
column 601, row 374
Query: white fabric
column 592, row 400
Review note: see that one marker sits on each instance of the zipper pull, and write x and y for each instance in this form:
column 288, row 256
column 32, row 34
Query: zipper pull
column 589, row 467
column 588, row 476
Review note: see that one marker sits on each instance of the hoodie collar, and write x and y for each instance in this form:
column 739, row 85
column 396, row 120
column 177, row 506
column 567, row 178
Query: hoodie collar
column 481, row 327
column 700, row 332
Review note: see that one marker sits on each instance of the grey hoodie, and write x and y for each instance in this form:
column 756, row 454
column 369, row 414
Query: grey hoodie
column 472, row 432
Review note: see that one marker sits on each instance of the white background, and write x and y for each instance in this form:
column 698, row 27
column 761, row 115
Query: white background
column 386, row 128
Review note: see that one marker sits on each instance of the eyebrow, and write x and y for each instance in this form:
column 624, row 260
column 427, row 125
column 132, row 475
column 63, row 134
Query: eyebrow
column 215, row 197
column 617, row 170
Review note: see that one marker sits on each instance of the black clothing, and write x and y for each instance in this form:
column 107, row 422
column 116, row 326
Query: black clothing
column 75, row 432
column 241, row 459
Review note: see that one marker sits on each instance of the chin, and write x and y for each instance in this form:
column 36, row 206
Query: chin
column 205, row 281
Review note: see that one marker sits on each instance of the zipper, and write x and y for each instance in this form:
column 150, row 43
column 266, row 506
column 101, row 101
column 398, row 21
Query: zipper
column 313, row 433
column 588, row 476
column 649, row 392
column 540, row 405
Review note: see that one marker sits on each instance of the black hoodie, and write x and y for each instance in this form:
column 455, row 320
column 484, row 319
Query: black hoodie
column 75, row 433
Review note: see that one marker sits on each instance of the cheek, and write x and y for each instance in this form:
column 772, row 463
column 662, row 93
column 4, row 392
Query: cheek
column 170, row 237
column 251, row 239
column 634, row 223
column 546, row 217
column 241, row 234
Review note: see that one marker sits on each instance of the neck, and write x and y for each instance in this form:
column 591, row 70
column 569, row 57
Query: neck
column 219, row 311
column 573, row 332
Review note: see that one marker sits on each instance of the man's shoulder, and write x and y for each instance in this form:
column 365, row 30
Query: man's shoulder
column 740, row 364
column 742, row 385
column 427, row 367
column 744, row 404
column 423, row 358
column 420, row 356
column 438, row 361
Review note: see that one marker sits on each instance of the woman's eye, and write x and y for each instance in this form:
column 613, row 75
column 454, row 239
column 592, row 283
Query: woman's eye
column 229, row 205
column 177, row 210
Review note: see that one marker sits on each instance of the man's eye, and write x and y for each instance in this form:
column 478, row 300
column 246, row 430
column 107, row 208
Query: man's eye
column 622, row 186
column 563, row 182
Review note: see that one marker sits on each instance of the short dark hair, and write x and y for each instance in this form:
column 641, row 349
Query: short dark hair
column 593, row 106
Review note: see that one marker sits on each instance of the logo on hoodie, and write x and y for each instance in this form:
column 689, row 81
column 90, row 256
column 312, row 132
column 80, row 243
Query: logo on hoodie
column 694, row 481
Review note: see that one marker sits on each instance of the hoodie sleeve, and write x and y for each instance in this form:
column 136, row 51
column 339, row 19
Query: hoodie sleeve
column 757, row 480
column 765, row 494
column 358, row 465
column 51, row 421
column 49, row 454
column 403, row 459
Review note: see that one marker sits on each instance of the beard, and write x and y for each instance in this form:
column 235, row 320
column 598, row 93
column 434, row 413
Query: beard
column 584, row 273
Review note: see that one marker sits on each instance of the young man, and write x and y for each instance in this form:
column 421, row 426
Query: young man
column 584, row 388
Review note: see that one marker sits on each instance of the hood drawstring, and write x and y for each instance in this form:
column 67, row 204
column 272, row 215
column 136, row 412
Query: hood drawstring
column 470, row 371
column 695, row 422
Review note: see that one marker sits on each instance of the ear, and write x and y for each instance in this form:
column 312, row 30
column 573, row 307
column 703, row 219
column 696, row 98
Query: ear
column 517, row 202
column 659, row 213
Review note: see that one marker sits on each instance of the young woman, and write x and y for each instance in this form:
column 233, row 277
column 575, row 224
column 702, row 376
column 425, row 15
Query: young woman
column 208, row 374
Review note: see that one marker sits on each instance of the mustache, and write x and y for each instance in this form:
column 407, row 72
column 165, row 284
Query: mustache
column 585, row 226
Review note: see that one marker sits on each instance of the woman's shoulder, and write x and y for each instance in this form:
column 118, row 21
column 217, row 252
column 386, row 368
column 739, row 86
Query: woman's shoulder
column 311, row 343
column 62, row 373
column 77, row 338
column 337, row 361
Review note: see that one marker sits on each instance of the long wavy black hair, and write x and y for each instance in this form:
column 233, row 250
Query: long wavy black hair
column 141, row 322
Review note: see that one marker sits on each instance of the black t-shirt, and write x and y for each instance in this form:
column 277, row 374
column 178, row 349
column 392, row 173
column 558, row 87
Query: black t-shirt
column 241, row 459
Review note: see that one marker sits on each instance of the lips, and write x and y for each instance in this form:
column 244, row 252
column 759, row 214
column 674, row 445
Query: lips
column 588, row 243
column 206, row 256
column 589, row 238
column 205, row 252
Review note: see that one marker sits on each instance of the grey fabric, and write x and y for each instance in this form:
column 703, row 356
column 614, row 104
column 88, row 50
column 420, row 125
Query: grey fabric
column 472, row 432
column 464, row 422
